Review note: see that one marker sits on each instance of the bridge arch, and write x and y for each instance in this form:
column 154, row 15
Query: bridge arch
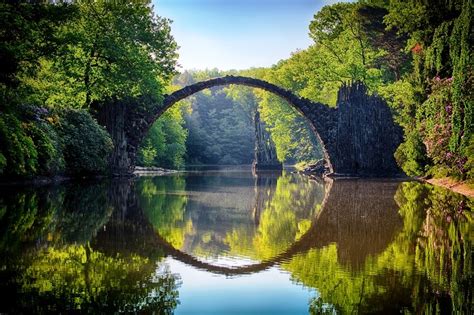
column 325, row 113
column 358, row 137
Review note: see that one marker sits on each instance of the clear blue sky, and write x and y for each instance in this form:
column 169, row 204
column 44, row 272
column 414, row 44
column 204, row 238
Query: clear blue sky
column 238, row 34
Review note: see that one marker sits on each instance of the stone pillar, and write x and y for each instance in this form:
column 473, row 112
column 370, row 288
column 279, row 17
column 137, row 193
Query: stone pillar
column 113, row 115
column 366, row 136
column 265, row 151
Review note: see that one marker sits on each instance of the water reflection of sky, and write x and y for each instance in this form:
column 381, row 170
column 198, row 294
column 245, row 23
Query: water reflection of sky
column 229, row 261
column 267, row 292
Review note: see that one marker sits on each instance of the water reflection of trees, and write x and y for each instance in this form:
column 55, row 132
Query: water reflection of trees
column 426, row 268
column 49, row 265
column 211, row 223
column 163, row 201
column 283, row 217
column 377, row 246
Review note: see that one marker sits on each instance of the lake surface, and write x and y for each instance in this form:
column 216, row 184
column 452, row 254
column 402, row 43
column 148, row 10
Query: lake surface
column 230, row 242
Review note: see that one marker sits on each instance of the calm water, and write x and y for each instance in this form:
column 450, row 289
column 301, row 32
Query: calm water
column 228, row 242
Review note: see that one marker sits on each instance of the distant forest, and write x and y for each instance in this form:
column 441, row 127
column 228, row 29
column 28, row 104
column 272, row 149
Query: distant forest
column 216, row 126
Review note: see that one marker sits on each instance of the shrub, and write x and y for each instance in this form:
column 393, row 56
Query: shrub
column 438, row 129
column 469, row 154
column 48, row 146
column 20, row 157
column 3, row 163
column 86, row 145
column 411, row 155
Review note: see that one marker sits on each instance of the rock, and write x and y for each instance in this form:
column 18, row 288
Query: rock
column 319, row 169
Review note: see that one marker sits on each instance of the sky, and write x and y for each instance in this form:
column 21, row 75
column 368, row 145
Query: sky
column 238, row 34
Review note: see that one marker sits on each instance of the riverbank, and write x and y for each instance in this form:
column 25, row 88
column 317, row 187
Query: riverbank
column 34, row 181
column 459, row 187
column 58, row 179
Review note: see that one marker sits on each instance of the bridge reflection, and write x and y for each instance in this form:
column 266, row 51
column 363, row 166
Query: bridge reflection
column 360, row 244
column 361, row 217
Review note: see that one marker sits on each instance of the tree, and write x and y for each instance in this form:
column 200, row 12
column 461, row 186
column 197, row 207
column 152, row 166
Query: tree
column 67, row 55
column 165, row 143
column 438, row 37
column 116, row 50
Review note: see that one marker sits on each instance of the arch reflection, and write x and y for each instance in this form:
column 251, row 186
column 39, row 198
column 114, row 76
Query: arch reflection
column 370, row 246
column 288, row 215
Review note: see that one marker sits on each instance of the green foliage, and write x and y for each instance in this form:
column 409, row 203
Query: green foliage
column 83, row 277
column 411, row 155
column 3, row 162
column 426, row 267
column 165, row 208
column 66, row 274
column 219, row 121
column 461, row 55
column 84, row 210
column 17, row 147
column 26, row 33
column 106, row 50
column 86, row 144
column 469, row 153
column 281, row 222
column 25, row 215
column 293, row 138
column 402, row 97
column 49, row 147
column 47, row 143
column 70, row 213
column 342, row 51
column 165, row 143
column 220, row 130
column 440, row 39
column 350, row 44
column 67, row 55
column 436, row 128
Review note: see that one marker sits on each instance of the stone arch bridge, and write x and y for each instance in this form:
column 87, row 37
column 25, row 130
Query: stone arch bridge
column 359, row 136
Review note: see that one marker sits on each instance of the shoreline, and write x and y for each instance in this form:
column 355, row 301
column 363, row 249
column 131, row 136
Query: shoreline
column 59, row 179
column 451, row 184
column 459, row 187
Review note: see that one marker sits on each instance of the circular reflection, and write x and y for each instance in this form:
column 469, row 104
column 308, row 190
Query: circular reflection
column 231, row 219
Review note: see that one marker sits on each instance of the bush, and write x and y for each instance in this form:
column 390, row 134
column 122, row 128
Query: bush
column 20, row 157
column 469, row 154
column 48, row 146
column 86, row 145
column 411, row 155
column 3, row 163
